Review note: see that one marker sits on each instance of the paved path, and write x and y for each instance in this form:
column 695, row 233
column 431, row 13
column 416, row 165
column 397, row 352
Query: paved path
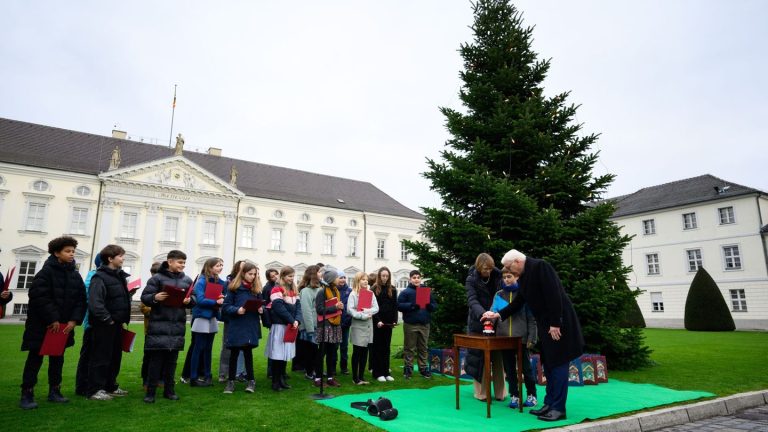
column 752, row 419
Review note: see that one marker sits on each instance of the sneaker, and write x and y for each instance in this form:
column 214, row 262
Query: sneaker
column 426, row 374
column 381, row 379
column 242, row 377
column 531, row 401
column 317, row 382
column 309, row 376
column 333, row 383
column 170, row 396
column 514, row 402
column 230, row 387
column 222, row 379
column 389, row 378
column 101, row 395
column 118, row 392
column 251, row 386
column 184, row 380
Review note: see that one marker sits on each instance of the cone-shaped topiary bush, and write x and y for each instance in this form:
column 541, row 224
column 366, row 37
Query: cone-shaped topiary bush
column 634, row 317
column 705, row 307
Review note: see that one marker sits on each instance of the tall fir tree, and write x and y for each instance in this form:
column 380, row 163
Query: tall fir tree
column 517, row 173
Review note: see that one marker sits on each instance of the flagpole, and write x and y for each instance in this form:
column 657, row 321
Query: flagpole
column 173, row 113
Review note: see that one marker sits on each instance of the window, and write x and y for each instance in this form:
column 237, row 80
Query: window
column 79, row 219
column 20, row 309
column 738, row 300
column 649, row 227
column 250, row 211
column 329, row 220
column 726, row 215
column 83, row 190
column 732, row 257
column 657, row 303
column 171, row 229
column 380, row 243
column 278, row 214
column 209, row 233
column 26, row 273
column 402, row 283
column 35, row 216
column 652, row 260
column 276, row 240
column 694, row 259
column 128, row 228
column 305, row 217
column 353, row 246
column 247, row 237
column 689, row 221
column 40, row 186
column 404, row 252
column 303, row 241
column 328, row 243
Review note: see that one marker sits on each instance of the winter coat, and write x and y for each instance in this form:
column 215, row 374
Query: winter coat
column 412, row 313
column 97, row 264
column 108, row 297
column 265, row 292
column 346, row 319
column 57, row 295
column 523, row 324
column 307, row 296
column 480, row 296
column 284, row 312
column 242, row 330
column 205, row 307
column 541, row 289
column 387, row 307
column 361, row 328
column 167, row 325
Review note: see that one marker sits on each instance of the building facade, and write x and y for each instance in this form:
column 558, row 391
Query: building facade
column 678, row 227
column 151, row 199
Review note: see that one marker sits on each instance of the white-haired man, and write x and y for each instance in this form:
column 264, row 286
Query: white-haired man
column 558, row 327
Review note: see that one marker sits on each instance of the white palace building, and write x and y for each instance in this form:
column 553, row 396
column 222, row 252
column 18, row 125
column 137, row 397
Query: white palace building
column 151, row 199
column 703, row 221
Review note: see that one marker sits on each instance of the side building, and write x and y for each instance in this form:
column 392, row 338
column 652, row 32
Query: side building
column 151, row 199
column 704, row 221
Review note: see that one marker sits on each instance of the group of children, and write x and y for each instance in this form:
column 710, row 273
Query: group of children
column 308, row 324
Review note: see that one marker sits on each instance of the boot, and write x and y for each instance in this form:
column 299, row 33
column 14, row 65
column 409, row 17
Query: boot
column 28, row 399
column 54, row 395
column 276, row 381
column 283, row 383
column 150, row 396
column 251, row 387
column 230, row 387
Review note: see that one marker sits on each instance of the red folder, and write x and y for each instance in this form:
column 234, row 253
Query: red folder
column 128, row 337
column 330, row 303
column 191, row 287
column 176, row 296
column 422, row 296
column 365, row 300
column 290, row 333
column 134, row 285
column 54, row 342
column 253, row 304
column 8, row 277
column 213, row 290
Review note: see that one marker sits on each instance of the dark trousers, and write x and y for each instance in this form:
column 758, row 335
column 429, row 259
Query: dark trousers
column 202, row 353
column 557, row 387
column 106, row 357
column 81, row 377
column 510, row 369
column 248, row 355
column 328, row 351
column 32, row 367
column 344, row 348
column 359, row 358
column 380, row 354
column 162, row 365
column 188, row 361
column 308, row 355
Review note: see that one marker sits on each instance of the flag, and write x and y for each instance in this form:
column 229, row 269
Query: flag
column 174, row 101
column 498, row 303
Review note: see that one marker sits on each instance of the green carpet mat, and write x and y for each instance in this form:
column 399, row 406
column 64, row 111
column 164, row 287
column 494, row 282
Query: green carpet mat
column 434, row 409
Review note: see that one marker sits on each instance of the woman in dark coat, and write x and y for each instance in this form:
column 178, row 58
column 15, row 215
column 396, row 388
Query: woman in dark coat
column 558, row 326
column 483, row 280
column 56, row 301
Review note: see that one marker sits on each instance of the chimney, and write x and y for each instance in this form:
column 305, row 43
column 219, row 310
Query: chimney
column 213, row 151
column 119, row 134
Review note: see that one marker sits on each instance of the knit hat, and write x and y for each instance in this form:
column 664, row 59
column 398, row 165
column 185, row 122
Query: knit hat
column 329, row 276
column 342, row 274
column 97, row 260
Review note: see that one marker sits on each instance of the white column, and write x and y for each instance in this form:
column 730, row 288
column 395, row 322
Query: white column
column 149, row 246
column 106, row 222
column 228, row 252
column 190, row 245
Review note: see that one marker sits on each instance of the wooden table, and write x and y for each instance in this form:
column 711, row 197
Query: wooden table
column 487, row 344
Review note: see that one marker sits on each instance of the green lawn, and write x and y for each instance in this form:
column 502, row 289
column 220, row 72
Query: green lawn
column 722, row 363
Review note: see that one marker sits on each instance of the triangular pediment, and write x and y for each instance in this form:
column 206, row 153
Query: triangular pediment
column 29, row 250
column 175, row 172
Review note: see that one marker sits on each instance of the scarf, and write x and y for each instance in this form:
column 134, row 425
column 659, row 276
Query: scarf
column 331, row 293
column 510, row 288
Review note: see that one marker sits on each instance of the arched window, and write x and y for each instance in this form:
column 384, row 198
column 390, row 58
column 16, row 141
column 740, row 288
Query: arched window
column 40, row 186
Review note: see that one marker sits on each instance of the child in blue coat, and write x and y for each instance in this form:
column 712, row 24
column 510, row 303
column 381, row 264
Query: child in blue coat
column 244, row 326
column 205, row 322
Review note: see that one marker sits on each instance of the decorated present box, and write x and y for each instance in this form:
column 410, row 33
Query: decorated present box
column 447, row 364
column 588, row 369
column 601, row 368
column 575, row 377
column 436, row 360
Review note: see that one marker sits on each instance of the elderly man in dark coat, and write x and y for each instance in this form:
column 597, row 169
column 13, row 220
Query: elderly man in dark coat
column 558, row 327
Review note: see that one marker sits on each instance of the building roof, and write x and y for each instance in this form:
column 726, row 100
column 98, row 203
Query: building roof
column 61, row 149
column 678, row 193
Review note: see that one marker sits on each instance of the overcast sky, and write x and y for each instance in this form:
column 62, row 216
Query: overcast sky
column 352, row 88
